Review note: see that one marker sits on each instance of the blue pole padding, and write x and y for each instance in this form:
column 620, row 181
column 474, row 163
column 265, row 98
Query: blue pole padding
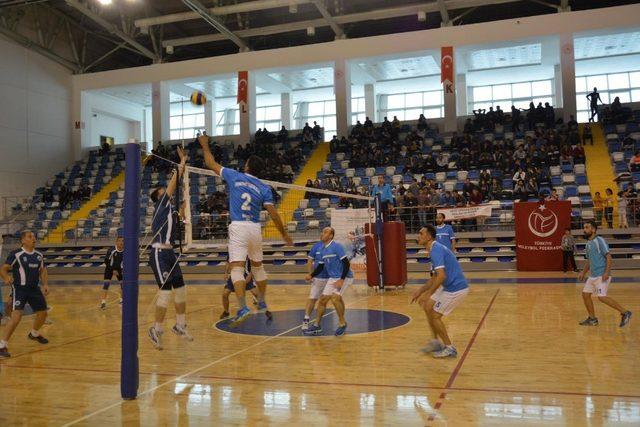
column 129, row 361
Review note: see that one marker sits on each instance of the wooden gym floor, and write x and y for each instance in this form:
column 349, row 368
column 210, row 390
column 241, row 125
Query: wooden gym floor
column 523, row 359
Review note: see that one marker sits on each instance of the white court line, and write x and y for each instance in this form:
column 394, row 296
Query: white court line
column 195, row 371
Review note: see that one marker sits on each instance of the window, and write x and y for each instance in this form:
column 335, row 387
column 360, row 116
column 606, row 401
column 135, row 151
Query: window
column 358, row 111
column 505, row 95
column 626, row 86
column 409, row 106
column 228, row 122
column 185, row 120
column 322, row 112
column 269, row 117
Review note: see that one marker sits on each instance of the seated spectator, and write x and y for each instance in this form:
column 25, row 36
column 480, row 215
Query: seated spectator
column 553, row 196
column 579, row 156
column 422, row 123
column 586, row 134
column 520, row 191
column 447, row 199
column 572, row 124
column 495, row 189
column 532, row 188
column 442, row 163
column 105, row 148
column 520, row 175
column 634, row 162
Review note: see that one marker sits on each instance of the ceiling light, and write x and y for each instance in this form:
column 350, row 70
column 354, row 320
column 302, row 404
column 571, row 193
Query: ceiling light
column 422, row 16
column 311, row 31
column 169, row 50
column 293, row 8
column 105, row 2
column 403, row 70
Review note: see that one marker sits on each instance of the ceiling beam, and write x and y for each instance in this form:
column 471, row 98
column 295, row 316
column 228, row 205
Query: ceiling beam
column 271, row 85
column 111, row 28
column 392, row 12
column 249, row 6
column 102, row 58
column 361, row 76
column 337, row 29
column 197, row 7
column 444, row 13
column 22, row 40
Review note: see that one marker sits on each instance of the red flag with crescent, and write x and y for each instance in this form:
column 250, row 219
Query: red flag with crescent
column 243, row 83
column 446, row 65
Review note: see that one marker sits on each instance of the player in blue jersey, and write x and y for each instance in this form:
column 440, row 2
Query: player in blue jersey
column 228, row 289
column 247, row 196
column 337, row 267
column 317, row 283
column 443, row 292
column 163, row 260
column 597, row 269
column 27, row 269
column 444, row 233
column 113, row 264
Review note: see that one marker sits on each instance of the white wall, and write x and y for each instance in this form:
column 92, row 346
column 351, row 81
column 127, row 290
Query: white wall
column 112, row 117
column 35, row 124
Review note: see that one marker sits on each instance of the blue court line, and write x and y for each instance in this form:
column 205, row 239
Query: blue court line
column 297, row 282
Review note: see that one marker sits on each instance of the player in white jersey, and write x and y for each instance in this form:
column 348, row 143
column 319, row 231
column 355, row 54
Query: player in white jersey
column 247, row 196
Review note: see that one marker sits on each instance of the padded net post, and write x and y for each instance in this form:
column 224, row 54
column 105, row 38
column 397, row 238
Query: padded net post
column 131, row 260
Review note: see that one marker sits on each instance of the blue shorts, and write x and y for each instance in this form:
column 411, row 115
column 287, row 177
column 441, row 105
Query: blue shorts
column 32, row 295
column 166, row 269
column 229, row 285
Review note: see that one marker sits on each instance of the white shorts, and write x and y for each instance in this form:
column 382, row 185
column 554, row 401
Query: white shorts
column 317, row 286
column 447, row 301
column 595, row 285
column 330, row 288
column 245, row 239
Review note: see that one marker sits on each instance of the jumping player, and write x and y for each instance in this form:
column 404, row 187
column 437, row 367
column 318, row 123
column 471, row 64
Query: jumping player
column 228, row 289
column 113, row 264
column 598, row 268
column 164, row 262
column 336, row 263
column 28, row 270
column 317, row 283
column 247, row 196
column 443, row 292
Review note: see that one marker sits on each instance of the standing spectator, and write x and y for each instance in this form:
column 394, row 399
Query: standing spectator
column 598, row 208
column 386, row 197
column 568, row 248
column 516, row 119
column 634, row 162
column 608, row 207
column 623, row 203
column 593, row 98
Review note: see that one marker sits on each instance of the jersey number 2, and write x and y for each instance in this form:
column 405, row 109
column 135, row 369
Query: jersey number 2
column 246, row 205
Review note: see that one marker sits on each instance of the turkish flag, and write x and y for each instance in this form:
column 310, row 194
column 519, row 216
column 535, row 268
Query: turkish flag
column 446, row 64
column 539, row 230
column 243, row 83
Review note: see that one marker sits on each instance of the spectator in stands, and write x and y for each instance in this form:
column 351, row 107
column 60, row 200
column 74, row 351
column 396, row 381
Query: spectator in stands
column 467, row 187
column 283, row 135
column 618, row 114
column 64, row 196
column 531, row 116
column 623, row 203
column 516, row 119
column 579, row 156
column 598, row 208
column 520, row 175
column 520, row 191
column 422, row 123
column 532, row 188
column 447, row 199
column 105, row 148
column 572, row 124
column 317, row 130
column 586, row 134
column 593, row 98
column 549, row 115
column 442, row 163
column 634, row 162
column 554, row 195
column 608, row 207
column 386, row 197
column 495, row 190
column 47, row 195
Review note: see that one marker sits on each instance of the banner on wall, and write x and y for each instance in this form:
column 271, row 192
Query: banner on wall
column 447, row 68
column 466, row 212
column 539, row 230
column 243, row 88
column 349, row 227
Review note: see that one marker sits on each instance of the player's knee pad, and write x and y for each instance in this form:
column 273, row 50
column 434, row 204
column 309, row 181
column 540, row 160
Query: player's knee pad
column 180, row 296
column 163, row 298
column 237, row 274
column 259, row 273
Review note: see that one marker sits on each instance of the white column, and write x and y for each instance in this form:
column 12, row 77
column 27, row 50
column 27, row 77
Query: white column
column 342, row 90
column 248, row 111
column 370, row 101
column 568, row 71
column 160, row 111
column 461, row 94
column 450, row 115
column 210, row 117
column 285, row 109
column 81, row 114
column 557, row 85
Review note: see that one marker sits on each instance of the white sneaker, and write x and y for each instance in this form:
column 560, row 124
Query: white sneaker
column 156, row 337
column 305, row 324
column 432, row 346
column 181, row 332
column 447, row 351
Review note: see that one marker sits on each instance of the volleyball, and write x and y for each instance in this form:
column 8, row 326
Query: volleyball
column 198, row 98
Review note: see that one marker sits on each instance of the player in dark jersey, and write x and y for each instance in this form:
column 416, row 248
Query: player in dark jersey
column 247, row 196
column 228, row 289
column 27, row 269
column 164, row 261
column 113, row 264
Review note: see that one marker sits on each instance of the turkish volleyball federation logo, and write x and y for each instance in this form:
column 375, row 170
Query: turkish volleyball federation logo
column 543, row 224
